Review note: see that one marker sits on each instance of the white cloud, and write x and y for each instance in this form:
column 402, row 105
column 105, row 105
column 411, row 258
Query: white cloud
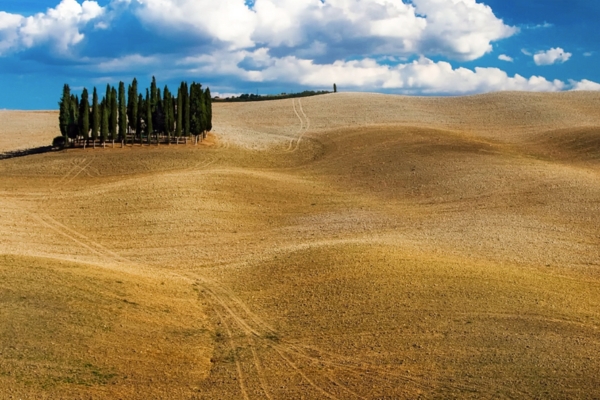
column 420, row 76
column 504, row 57
column 585, row 85
column 461, row 29
column 125, row 63
column 545, row 25
column 229, row 21
column 9, row 23
column 588, row 54
column 552, row 56
column 526, row 52
column 59, row 26
column 458, row 29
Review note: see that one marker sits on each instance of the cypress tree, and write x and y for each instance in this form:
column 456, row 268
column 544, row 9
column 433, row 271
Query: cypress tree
column 179, row 110
column 168, row 106
column 153, row 95
column 64, row 116
column 107, row 98
column 73, row 130
column 208, row 104
column 334, row 88
column 149, row 126
column 113, row 118
column 84, row 115
column 140, row 117
column 197, row 110
column 158, row 116
column 132, row 108
column 95, row 117
column 104, row 122
column 122, row 114
column 186, row 111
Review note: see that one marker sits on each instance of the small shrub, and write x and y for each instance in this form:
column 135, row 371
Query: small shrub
column 59, row 142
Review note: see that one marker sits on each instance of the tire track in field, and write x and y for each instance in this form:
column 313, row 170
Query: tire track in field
column 76, row 166
column 258, row 330
column 104, row 253
column 304, row 126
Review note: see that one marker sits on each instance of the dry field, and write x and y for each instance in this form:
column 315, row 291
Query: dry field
column 345, row 246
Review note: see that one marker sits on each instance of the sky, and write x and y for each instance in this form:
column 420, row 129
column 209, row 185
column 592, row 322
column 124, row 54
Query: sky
column 410, row 47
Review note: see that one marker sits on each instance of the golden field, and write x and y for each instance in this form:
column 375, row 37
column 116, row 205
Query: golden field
column 343, row 246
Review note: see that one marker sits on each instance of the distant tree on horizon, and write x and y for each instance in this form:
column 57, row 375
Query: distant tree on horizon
column 334, row 88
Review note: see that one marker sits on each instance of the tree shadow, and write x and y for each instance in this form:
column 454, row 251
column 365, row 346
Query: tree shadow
column 26, row 152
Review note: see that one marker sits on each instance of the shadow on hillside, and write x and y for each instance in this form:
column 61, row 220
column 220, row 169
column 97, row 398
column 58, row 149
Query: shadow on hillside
column 27, row 152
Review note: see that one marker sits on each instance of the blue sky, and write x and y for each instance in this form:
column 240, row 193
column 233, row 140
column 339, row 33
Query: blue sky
column 417, row 47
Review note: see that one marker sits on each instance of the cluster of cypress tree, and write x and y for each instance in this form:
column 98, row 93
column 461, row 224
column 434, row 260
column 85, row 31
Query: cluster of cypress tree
column 131, row 117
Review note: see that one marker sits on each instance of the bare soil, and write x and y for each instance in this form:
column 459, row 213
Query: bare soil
column 339, row 246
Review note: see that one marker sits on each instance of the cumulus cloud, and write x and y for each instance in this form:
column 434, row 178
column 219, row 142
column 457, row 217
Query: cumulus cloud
column 461, row 29
column 420, row 76
column 360, row 44
column 552, row 56
column 458, row 29
column 9, row 24
column 59, row 27
column 585, row 85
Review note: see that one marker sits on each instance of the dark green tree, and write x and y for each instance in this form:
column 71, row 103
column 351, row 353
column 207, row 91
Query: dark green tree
column 140, row 126
column 73, row 131
column 84, row 115
column 158, row 116
column 64, row 116
column 104, row 122
column 186, row 111
column 169, row 117
column 153, row 95
column 132, row 107
column 95, row 117
column 122, row 114
column 149, row 126
column 179, row 110
column 197, row 110
column 208, row 105
column 113, row 118
column 334, row 88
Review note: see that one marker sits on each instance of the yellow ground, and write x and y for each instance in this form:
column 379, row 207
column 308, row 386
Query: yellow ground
column 340, row 246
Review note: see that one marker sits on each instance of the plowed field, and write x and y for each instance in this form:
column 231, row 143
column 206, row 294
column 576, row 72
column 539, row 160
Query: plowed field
column 344, row 246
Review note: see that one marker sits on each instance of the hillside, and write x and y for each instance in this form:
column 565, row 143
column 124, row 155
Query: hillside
column 339, row 246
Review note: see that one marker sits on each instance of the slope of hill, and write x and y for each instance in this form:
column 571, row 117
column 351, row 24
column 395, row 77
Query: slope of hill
column 339, row 246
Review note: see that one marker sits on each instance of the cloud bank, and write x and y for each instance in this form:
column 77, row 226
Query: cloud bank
column 359, row 44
